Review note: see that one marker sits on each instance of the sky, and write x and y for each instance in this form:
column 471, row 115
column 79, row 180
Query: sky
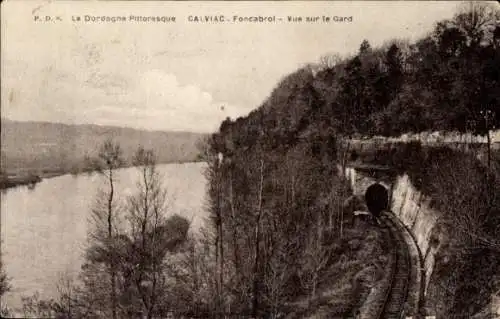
column 182, row 75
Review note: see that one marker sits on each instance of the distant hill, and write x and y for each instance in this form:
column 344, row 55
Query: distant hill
column 45, row 147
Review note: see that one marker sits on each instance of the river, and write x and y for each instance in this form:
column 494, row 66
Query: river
column 44, row 229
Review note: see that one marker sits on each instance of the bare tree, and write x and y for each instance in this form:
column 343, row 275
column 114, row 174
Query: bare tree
column 215, row 174
column 4, row 287
column 278, row 271
column 468, row 201
column 211, row 149
column 328, row 61
column 104, row 213
column 235, row 222
column 315, row 258
column 34, row 307
column 131, row 248
column 344, row 151
column 220, row 236
column 477, row 19
column 67, row 305
column 195, row 290
column 146, row 217
column 256, row 263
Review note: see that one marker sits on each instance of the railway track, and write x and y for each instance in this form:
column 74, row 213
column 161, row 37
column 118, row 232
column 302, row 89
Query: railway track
column 393, row 302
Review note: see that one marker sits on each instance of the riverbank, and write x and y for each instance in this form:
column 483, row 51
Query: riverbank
column 15, row 181
column 30, row 179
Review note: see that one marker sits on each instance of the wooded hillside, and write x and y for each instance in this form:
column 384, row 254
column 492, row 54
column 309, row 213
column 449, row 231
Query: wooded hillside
column 275, row 195
column 41, row 147
column 445, row 81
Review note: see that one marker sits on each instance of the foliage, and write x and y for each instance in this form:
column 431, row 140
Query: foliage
column 447, row 80
column 137, row 245
column 4, row 288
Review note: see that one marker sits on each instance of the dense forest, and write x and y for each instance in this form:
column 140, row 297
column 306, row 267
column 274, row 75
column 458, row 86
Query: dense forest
column 448, row 80
column 279, row 242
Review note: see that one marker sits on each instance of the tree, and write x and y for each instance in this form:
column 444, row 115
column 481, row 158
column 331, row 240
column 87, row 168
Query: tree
column 104, row 214
column 152, row 236
column 394, row 62
column 257, row 238
column 235, row 224
column 350, row 98
column 133, row 246
column 328, row 61
column 67, row 304
column 477, row 20
column 4, row 288
column 278, row 270
column 195, row 290
column 314, row 259
column 365, row 47
column 215, row 174
column 34, row 307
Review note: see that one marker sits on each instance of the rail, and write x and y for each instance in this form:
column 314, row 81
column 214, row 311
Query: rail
column 393, row 304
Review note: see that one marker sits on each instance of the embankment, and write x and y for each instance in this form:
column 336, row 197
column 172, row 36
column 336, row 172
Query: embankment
column 449, row 201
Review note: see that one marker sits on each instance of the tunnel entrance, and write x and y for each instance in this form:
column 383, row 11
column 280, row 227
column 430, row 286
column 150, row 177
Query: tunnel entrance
column 377, row 199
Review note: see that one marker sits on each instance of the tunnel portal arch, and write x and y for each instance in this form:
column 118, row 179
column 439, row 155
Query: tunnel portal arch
column 377, row 198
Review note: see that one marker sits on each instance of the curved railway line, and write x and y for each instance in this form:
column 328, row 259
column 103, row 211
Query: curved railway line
column 393, row 304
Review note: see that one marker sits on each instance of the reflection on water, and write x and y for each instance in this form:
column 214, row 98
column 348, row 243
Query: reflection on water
column 44, row 229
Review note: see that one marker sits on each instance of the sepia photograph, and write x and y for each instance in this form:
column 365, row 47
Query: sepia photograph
column 250, row 159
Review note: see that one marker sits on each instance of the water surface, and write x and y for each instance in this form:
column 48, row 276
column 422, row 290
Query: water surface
column 44, row 230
